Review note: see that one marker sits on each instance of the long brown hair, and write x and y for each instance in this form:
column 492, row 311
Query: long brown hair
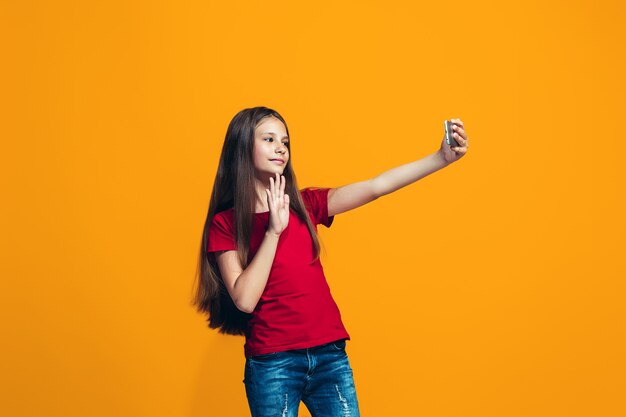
column 234, row 188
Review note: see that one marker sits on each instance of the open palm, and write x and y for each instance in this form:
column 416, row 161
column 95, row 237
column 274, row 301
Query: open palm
column 278, row 203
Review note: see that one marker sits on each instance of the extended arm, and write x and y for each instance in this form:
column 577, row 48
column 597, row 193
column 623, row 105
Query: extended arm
column 354, row 195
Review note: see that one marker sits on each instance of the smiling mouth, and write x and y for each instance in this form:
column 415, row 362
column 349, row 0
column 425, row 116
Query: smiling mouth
column 278, row 161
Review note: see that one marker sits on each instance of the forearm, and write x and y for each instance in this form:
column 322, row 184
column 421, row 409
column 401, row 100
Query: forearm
column 250, row 284
column 396, row 178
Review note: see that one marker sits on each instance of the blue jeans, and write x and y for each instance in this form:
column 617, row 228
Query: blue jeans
column 320, row 376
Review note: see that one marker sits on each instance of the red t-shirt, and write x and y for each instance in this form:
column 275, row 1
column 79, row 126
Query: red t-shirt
column 296, row 309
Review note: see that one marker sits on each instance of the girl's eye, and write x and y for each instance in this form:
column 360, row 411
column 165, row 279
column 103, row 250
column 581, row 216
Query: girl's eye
column 284, row 143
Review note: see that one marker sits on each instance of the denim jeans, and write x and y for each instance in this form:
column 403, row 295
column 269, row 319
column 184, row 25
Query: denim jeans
column 320, row 376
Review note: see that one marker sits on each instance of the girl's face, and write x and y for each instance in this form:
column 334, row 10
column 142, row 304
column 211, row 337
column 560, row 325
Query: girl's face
column 271, row 152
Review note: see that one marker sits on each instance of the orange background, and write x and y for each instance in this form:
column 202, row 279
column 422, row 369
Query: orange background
column 494, row 287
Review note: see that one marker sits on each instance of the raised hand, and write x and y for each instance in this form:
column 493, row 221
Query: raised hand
column 278, row 203
column 454, row 153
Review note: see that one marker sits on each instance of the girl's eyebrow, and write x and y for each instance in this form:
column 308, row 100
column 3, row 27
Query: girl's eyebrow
column 272, row 133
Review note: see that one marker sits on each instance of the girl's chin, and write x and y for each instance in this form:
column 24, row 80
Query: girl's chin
column 272, row 173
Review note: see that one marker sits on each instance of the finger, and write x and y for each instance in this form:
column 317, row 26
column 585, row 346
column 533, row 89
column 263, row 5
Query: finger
column 283, row 181
column 460, row 150
column 277, row 185
column 278, row 196
column 458, row 129
column 272, row 187
column 270, row 200
column 462, row 141
column 278, row 199
column 457, row 122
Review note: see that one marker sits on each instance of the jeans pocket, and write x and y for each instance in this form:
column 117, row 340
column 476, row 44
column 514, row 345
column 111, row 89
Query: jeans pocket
column 339, row 344
column 264, row 356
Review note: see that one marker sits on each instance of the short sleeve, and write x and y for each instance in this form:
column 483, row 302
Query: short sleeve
column 221, row 234
column 316, row 201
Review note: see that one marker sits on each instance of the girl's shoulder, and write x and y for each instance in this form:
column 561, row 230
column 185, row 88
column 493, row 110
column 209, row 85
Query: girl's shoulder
column 224, row 216
column 312, row 195
column 315, row 200
column 313, row 191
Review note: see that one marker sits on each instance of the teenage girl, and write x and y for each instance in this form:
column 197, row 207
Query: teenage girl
column 260, row 272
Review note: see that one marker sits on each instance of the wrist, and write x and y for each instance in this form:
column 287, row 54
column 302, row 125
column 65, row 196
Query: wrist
column 442, row 158
column 271, row 234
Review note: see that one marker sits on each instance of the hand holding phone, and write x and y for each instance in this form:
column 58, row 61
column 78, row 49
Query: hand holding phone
column 447, row 125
